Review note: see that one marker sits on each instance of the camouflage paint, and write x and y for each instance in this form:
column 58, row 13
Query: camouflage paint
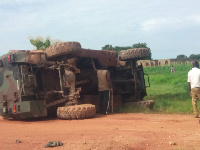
column 10, row 89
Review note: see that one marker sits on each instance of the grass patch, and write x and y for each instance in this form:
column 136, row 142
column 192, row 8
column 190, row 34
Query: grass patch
column 131, row 109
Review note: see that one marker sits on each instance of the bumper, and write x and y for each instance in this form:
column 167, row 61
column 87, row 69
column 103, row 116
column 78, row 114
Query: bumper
column 25, row 110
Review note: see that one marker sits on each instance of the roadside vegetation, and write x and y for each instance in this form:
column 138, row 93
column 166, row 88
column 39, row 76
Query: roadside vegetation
column 169, row 90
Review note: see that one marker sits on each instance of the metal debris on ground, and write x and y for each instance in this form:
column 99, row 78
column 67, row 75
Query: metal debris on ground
column 18, row 141
column 54, row 144
column 172, row 143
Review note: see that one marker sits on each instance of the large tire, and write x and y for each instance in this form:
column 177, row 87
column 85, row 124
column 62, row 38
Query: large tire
column 76, row 112
column 135, row 53
column 62, row 49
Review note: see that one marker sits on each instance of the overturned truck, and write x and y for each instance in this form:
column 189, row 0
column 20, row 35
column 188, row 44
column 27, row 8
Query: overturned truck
column 36, row 83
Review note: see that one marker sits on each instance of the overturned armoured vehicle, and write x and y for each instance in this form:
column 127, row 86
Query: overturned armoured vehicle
column 36, row 83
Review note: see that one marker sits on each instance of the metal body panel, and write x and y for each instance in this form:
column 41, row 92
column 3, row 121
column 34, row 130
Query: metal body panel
column 25, row 110
column 21, row 56
column 107, row 58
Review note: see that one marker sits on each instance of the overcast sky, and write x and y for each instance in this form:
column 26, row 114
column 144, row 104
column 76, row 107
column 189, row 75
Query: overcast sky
column 169, row 27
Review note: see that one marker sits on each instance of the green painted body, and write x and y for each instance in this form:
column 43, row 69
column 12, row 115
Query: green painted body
column 12, row 90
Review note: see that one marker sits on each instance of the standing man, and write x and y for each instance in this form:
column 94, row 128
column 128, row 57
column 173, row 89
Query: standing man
column 172, row 69
column 194, row 86
column 104, row 88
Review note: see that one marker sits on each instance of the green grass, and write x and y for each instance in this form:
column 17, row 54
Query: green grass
column 169, row 90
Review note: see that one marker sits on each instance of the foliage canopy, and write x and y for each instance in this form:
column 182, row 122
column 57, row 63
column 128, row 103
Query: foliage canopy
column 191, row 57
column 194, row 56
column 181, row 56
column 119, row 48
column 40, row 43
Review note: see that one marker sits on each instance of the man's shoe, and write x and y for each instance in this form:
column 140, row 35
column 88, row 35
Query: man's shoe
column 196, row 116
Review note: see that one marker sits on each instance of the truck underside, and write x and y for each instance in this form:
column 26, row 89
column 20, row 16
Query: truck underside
column 34, row 87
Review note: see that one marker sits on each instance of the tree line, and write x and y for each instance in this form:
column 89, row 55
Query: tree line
column 119, row 48
column 42, row 43
column 191, row 57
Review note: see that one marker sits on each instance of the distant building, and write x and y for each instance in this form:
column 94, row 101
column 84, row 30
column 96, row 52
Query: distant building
column 148, row 63
column 162, row 62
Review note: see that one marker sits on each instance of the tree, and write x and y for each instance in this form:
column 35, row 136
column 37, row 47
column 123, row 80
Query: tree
column 40, row 43
column 194, row 56
column 182, row 57
column 119, row 48
column 139, row 45
column 107, row 47
column 47, row 43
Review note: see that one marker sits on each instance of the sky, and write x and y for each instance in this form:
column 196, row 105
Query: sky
column 168, row 27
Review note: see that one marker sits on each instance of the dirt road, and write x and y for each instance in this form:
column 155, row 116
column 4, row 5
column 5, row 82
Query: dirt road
column 115, row 132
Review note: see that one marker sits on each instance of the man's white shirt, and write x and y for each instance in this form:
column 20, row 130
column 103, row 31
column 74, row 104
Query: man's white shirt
column 194, row 77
